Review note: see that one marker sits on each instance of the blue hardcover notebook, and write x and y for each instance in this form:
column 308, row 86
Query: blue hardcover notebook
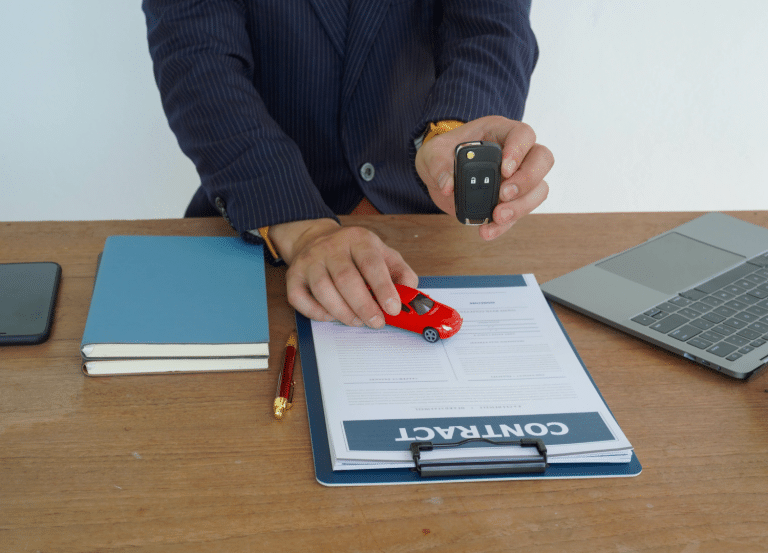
column 171, row 298
column 319, row 434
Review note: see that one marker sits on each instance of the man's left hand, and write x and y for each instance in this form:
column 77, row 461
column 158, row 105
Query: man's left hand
column 524, row 164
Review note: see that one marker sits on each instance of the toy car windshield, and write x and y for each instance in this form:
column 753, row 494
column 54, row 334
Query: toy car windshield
column 422, row 304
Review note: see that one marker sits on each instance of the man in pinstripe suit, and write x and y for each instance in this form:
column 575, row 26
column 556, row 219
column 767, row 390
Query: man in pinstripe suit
column 294, row 111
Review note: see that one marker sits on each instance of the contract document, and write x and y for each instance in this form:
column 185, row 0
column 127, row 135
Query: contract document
column 509, row 373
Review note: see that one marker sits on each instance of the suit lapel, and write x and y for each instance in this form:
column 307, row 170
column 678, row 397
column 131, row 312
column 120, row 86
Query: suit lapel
column 365, row 17
column 333, row 16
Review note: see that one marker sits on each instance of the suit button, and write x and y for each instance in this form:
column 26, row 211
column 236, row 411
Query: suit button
column 222, row 207
column 367, row 171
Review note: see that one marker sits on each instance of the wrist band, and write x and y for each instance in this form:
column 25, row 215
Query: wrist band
column 439, row 128
column 263, row 232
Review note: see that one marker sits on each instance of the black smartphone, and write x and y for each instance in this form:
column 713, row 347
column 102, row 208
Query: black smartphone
column 476, row 181
column 27, row 300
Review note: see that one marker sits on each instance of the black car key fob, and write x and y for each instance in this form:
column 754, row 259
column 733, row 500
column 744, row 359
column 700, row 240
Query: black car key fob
column 476, row 181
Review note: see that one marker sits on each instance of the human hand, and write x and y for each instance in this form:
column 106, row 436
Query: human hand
column 330, row 268
column 524, row 164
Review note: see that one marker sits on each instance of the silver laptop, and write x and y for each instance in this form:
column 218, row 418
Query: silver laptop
column 699, row 290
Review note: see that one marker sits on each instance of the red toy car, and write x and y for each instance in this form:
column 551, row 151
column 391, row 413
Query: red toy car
column 420, row 313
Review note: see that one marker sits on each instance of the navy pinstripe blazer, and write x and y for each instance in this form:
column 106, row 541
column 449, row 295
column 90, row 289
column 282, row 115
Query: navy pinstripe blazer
column 279, row 103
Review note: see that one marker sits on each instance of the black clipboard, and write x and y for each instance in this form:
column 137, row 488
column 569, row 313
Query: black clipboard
column 366, row 477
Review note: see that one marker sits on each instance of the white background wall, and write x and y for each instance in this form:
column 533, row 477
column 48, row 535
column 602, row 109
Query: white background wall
column 655, row 105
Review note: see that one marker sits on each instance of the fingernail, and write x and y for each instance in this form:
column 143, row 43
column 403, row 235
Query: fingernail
column 377, row 321
column 442, row 180
column 510, row 192
column 505, row 214
column 491, row 234
column 392, row 306
column 509, row 166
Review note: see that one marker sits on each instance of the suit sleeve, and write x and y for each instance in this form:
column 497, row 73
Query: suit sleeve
column 485, row 55
column 204, row 67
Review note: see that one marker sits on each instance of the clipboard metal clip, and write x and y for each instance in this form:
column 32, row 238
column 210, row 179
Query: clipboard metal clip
column 536, row 464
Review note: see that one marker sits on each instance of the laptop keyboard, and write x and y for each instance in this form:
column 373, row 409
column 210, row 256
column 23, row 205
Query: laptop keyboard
column 726, row 316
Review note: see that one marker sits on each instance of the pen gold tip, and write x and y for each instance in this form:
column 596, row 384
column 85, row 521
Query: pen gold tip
column 292, row 340
column 280, row 405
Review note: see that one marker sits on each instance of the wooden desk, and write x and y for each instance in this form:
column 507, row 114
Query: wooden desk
column 180, row 463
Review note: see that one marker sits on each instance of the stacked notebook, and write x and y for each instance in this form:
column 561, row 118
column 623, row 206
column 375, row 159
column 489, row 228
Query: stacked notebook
column 177, row 304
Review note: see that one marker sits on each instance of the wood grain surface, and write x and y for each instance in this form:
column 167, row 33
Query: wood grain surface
column 180, row 463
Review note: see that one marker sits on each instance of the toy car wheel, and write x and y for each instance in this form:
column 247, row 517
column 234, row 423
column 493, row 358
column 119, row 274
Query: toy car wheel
column 431, row 335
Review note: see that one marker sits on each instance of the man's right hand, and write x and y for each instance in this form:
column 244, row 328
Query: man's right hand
column 330, row 268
